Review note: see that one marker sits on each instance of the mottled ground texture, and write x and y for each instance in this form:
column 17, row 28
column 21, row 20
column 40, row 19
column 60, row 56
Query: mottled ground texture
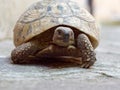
column 104, row 75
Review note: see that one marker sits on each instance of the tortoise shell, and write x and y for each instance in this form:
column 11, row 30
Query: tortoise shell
column 46, row 14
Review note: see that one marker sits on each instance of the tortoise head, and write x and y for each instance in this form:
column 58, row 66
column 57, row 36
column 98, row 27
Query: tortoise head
column 63, row 36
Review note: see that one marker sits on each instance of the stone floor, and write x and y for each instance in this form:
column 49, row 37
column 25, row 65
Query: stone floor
column 105, row 74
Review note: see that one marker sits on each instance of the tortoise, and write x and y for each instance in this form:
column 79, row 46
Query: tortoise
column 56, row 28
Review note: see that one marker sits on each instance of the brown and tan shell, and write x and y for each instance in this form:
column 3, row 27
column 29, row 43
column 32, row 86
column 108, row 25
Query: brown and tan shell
column 46, row 14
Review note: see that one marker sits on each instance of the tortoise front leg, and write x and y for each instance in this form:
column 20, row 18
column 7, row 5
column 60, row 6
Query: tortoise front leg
column 86, row 50
column 45, row 52
column 52, row 51
column 24, row 53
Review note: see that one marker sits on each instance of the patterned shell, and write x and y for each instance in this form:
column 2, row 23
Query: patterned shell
column 46, row 14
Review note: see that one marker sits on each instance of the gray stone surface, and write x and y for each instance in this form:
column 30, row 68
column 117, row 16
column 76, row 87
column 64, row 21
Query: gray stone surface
column 104, row 75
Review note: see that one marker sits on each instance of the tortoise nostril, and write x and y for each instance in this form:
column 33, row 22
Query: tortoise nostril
column 66, row 37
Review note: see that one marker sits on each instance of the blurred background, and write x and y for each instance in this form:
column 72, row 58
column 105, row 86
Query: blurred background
column 105, row 12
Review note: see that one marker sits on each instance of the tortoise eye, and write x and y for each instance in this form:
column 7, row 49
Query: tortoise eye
column 59, row 32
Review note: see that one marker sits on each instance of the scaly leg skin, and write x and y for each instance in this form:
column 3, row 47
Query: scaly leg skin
column 23, row 53
column 45, row 52
column 76, row 60
column 87, row 51
column 52, row 51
